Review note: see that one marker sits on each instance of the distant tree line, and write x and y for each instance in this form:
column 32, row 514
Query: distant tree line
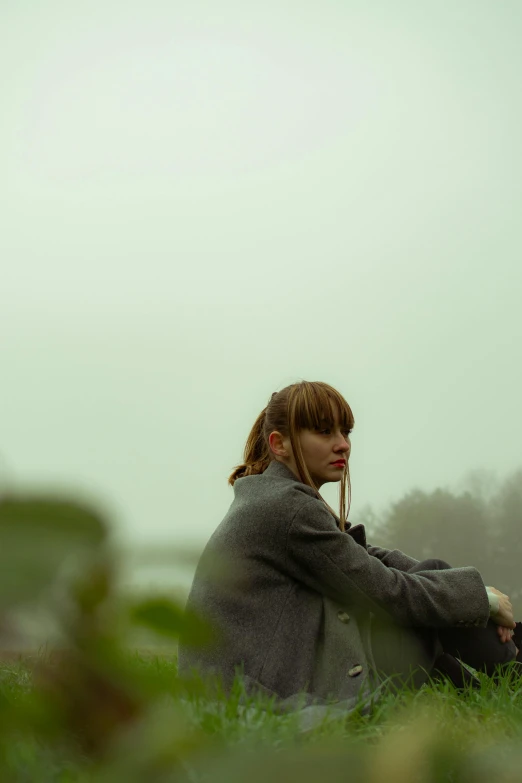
column 479, row 526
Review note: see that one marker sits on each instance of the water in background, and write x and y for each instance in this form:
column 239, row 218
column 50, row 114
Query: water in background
column 162, row 577
column 140, row 571
column 144, row 566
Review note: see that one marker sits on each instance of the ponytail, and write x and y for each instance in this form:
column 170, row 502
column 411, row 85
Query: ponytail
column 257, row 453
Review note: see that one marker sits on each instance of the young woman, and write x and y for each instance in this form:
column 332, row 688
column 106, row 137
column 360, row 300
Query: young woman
column 307, row 606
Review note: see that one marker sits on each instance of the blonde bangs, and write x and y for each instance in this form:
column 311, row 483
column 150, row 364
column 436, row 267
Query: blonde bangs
column 312, row 406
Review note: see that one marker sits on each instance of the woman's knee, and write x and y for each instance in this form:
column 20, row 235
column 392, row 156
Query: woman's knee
column 509, row 652
column 479, row 647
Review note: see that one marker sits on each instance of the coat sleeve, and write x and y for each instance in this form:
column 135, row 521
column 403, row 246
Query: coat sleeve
column 393, row 558
column 319, row 555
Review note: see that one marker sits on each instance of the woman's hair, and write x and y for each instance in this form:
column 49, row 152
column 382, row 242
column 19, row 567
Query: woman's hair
column 303, row 405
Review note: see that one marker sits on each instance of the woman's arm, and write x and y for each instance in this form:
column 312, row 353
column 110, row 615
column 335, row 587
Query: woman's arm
column 393, row 558
column 319, row 555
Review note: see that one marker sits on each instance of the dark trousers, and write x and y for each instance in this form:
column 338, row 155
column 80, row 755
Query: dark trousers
column 481, row 648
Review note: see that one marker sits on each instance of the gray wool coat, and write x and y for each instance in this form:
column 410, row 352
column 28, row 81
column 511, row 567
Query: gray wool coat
column 298, row 601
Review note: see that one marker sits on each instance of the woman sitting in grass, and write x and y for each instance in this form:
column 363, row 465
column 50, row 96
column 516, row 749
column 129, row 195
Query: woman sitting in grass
column 308, row 606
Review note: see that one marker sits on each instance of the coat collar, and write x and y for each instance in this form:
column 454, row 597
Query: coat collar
column 280, row 470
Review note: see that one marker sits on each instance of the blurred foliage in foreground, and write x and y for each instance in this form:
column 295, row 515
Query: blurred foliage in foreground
column 92, row 710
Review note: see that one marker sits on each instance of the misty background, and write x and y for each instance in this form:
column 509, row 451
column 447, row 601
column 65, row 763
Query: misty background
column 202, row 203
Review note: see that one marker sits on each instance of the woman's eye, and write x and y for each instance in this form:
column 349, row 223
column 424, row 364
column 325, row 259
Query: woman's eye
column 347, row 432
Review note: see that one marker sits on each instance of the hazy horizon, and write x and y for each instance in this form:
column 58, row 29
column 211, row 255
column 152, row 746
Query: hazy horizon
column 202, row 207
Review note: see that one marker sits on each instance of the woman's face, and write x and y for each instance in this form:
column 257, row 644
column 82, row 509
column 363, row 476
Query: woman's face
column 320, row 449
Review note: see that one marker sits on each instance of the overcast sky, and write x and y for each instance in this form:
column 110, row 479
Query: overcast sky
column 203, row 202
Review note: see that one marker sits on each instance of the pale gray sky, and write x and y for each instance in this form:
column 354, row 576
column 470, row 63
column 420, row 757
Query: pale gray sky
column 203, row 202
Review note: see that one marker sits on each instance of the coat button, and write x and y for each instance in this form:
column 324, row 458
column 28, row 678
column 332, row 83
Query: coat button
column 343, row 617
column 355, row 670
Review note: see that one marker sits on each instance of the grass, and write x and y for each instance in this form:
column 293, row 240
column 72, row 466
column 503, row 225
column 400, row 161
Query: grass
column 431, row 734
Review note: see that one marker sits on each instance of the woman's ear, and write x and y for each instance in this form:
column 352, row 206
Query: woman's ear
column 277, row 446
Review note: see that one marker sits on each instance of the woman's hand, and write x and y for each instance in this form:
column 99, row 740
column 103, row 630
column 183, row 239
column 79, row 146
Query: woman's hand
column 504, row 633
column 504, row 616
